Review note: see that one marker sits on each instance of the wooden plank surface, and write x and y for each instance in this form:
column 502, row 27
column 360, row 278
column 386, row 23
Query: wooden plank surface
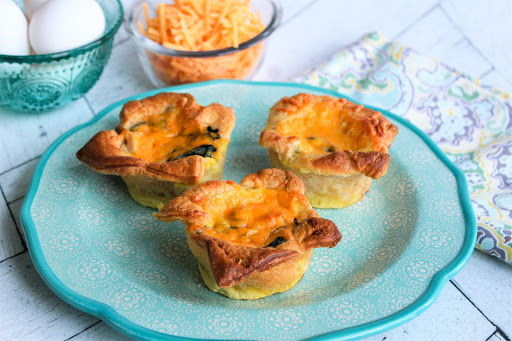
column 326, row 26
column 452, row 316
column 497, row 336
column 29, row 310
column 26, row 136
column 474, row 37
column 15, row 208
column 102, row 331
column 487, row 25
column 487, row 282
column 15, row 182
column 10, row 241
column 120, row 79
column 435, row 35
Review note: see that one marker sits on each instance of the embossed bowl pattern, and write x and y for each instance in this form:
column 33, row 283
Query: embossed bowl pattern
column 43, row 82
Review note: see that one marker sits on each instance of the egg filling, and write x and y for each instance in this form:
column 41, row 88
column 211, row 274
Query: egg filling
column 332, row 128
column 251, row 217
column 167, row 137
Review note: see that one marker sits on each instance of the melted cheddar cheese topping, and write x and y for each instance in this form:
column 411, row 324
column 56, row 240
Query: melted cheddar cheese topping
column 167, row 137
column 323, row 128
column 250, row 217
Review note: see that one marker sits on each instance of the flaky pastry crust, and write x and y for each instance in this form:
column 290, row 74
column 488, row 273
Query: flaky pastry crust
column 335, row 146
column 108, row 151
column 359, row 123
column 163, row 145
column 252, row 272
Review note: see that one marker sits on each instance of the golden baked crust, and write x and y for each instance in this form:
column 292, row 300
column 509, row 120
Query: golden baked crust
column 166, row 138
column 269, row 248
column 363, row 140
column 322, row 136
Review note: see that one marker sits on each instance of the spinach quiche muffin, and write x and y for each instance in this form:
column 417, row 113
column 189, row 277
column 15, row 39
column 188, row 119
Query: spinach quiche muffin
column 254, row 239
column 163, row 145
column 335, row 146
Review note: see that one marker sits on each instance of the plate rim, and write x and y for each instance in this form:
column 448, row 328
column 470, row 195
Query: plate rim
column 120, row 323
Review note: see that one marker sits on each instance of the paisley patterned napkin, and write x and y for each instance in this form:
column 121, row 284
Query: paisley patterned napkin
column 471, row 123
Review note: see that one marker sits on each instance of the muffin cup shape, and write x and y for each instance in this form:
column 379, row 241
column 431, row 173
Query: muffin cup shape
column 250, row 270
column 333, row 145
column 163, row 145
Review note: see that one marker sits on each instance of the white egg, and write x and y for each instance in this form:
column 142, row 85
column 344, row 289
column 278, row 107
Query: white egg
column 13, row 30
column 61, row 25
column 31, row 6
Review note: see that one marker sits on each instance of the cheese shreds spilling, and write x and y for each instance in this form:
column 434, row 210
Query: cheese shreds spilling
column 202, row 25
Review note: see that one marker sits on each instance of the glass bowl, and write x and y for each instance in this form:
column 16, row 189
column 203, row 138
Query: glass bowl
column 165, row 66
column 42, row 82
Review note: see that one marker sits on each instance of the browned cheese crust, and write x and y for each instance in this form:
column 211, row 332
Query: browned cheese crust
column 108, row 151
column 231, row 264
column 359, row 123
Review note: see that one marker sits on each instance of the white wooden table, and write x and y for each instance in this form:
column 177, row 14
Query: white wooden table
column 472, row 35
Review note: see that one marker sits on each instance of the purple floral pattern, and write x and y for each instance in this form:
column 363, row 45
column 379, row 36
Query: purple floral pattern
column 470, row 122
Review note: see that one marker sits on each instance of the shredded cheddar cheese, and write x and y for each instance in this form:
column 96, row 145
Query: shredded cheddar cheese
column 250, row 217
column 202, row 25
column 320, row 137
column 165, row 138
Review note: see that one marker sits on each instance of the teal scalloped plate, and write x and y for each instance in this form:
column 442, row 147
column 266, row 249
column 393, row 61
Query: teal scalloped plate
column 106, row 255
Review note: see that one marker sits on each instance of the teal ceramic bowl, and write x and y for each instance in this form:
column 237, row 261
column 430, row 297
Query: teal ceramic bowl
column 43, row 82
